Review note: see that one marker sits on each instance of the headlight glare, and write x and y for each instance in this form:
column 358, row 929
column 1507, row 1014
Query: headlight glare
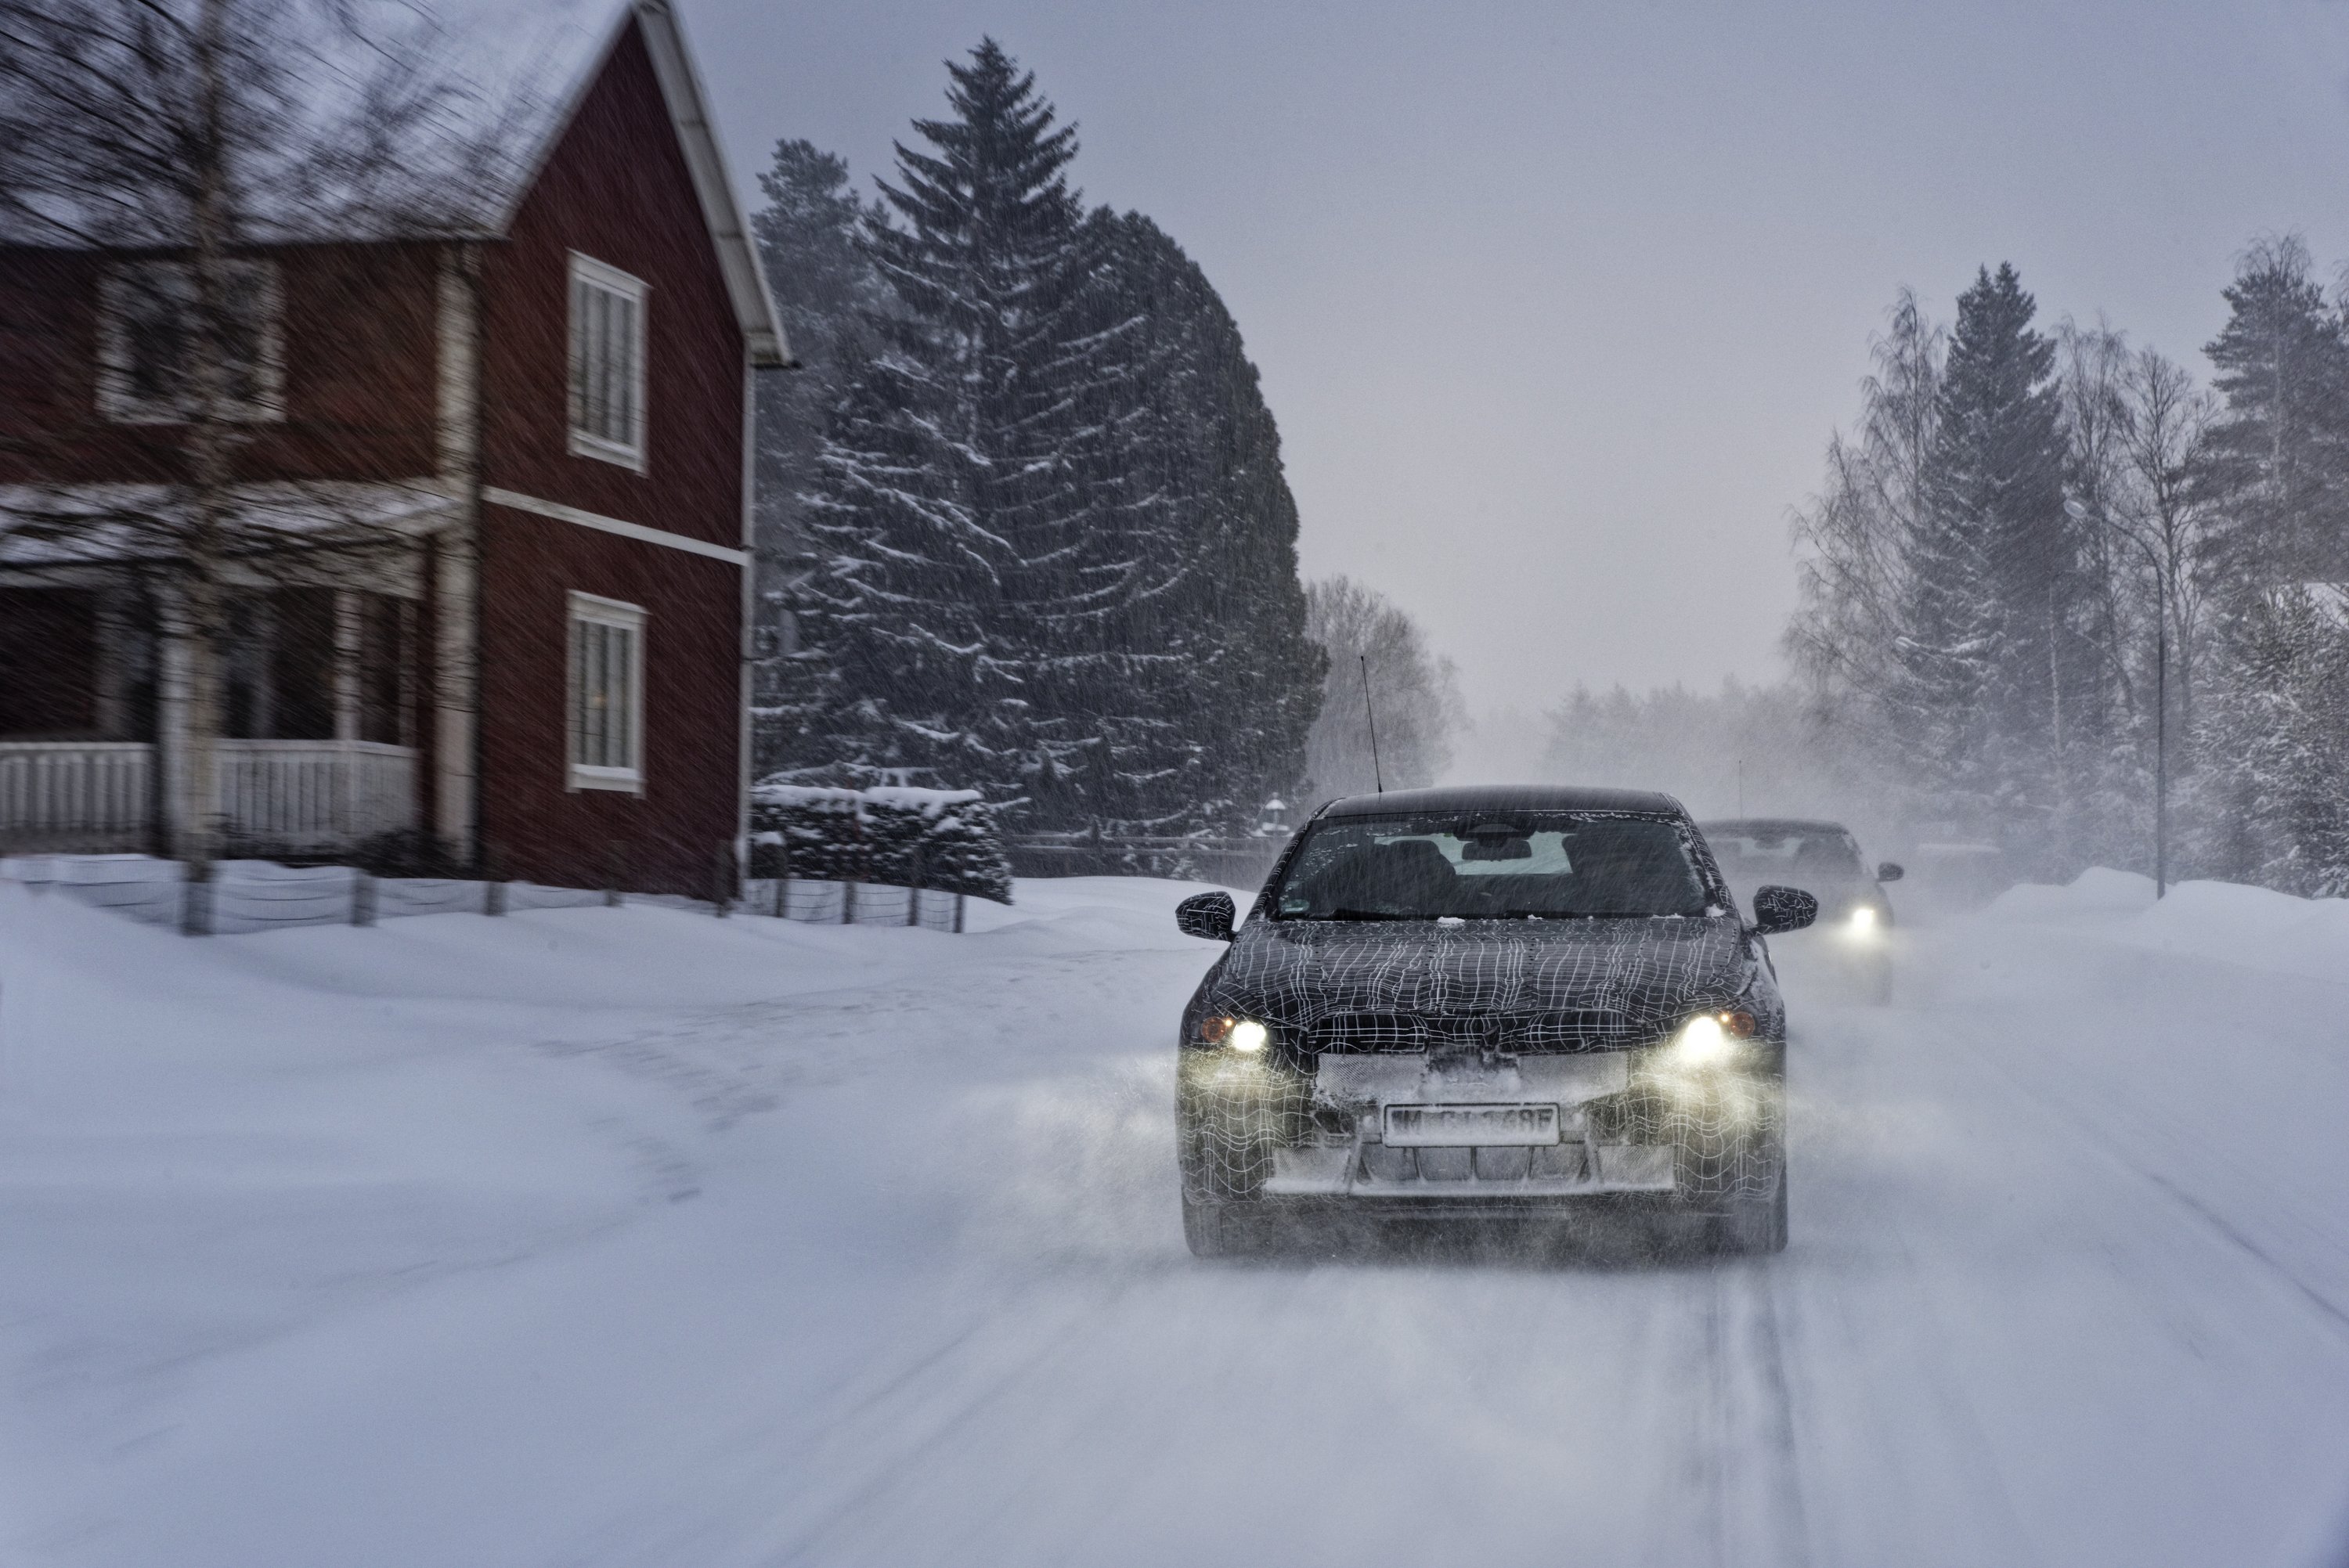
column 1711, row 1039
column 1863, row 920
column 1243, row 1035
column 1703, row 1042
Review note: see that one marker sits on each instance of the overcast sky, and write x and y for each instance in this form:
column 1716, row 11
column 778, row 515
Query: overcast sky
column 1558, row 304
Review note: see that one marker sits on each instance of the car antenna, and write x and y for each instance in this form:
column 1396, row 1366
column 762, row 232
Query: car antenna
column 1378, row 776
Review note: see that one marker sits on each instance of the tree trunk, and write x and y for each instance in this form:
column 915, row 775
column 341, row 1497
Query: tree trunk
column 203, row 598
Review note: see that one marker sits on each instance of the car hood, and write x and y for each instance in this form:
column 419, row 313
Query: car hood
column 1625, row 981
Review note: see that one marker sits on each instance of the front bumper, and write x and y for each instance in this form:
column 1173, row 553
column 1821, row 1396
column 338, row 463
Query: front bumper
column 1563, row 1170
column 1264, row 1133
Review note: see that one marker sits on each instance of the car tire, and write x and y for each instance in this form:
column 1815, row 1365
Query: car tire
column 1221, row 1230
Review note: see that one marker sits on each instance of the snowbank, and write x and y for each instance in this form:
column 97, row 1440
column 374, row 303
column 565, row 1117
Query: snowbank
column 289, row 1216
column 2227, row 922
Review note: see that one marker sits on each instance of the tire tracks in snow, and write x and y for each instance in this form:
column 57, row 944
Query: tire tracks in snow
column 2217, row 1224
column 1869, row 1449
column 1747, row 1464
column 892, row 1429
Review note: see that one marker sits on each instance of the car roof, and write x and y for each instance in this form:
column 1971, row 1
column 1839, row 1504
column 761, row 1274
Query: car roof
column 1770, row 825
column 1504, row 798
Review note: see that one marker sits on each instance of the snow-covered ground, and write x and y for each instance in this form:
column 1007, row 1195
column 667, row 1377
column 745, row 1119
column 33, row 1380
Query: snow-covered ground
column 635, row 1237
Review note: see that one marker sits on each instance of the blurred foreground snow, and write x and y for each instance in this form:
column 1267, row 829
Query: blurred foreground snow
column 632, row 1237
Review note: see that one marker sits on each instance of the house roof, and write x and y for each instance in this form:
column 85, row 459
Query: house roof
column 713, row 184
column 513, row 72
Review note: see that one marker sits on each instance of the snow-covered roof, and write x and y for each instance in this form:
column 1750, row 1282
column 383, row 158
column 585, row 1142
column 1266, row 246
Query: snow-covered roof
column 509, row 53
column 488, row 87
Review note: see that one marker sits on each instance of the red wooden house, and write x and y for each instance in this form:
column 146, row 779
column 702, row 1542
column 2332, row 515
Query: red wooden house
column 543, row 422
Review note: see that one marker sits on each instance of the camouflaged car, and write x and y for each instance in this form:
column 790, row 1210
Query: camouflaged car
column 1463, row 1003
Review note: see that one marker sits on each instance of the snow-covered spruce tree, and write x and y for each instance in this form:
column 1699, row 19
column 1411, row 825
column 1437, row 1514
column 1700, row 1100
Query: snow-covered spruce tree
column 1215, row 528
column 964, row 501
column 2277, row 479
column 1999, row 697
column 2278, row 454
column 2271, row 809
column 827, row 290
column 1053, row 556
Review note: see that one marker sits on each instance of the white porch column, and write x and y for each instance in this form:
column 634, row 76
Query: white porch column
column 346, row 709
column 455, row 699
column 183, row 807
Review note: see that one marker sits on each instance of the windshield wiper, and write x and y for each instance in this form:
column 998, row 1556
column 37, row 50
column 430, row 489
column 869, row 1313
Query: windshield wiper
column 1364, row 915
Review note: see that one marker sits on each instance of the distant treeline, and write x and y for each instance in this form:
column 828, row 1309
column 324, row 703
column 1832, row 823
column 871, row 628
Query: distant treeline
column 2019, row 524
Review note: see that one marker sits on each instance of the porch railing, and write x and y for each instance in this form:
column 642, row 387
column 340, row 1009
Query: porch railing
column 91, row 795
column 314, row 794
column 278, row 796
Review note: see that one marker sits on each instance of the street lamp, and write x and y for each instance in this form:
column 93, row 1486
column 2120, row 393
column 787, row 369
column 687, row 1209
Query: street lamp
column 2160, row 693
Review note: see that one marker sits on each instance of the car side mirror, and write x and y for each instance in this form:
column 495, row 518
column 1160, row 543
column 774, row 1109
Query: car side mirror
column 1890, row 871
column 1782, row 909
column 1207, row 915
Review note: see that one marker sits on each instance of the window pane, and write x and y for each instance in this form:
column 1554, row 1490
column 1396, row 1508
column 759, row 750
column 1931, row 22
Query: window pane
column 606, row 357
column 578, row 354
column 624, row 692
column 384, row 653
column 606, row 698
column 624, row 374
column 240, row 333
column 301, row 665
column 599, row 696
column 614, row 351
column 600, row 397
column 49, row 654
column 155, row 332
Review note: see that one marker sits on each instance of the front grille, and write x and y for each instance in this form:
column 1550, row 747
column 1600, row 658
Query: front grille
column 1358, row 1034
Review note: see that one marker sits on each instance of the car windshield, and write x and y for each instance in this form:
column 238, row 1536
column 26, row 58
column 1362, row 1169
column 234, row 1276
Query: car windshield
column 1788, row 854
column 1520, row 866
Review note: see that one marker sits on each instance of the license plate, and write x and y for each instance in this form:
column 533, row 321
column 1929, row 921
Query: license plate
column 1452, row 1125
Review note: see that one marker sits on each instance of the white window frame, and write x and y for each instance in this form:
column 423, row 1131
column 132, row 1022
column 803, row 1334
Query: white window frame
column 590, row 609
column 117, row 400
column 588, row 273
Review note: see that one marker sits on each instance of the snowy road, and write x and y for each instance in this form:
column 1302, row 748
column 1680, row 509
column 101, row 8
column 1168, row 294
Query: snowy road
column 623, row 1238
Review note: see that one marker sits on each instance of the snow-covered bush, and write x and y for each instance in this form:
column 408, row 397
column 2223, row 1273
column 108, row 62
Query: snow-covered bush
column 941, row 838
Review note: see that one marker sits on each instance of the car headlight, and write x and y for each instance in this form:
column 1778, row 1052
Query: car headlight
column 1245, row 1035
column 1863, row 921
column 1710, row 1039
